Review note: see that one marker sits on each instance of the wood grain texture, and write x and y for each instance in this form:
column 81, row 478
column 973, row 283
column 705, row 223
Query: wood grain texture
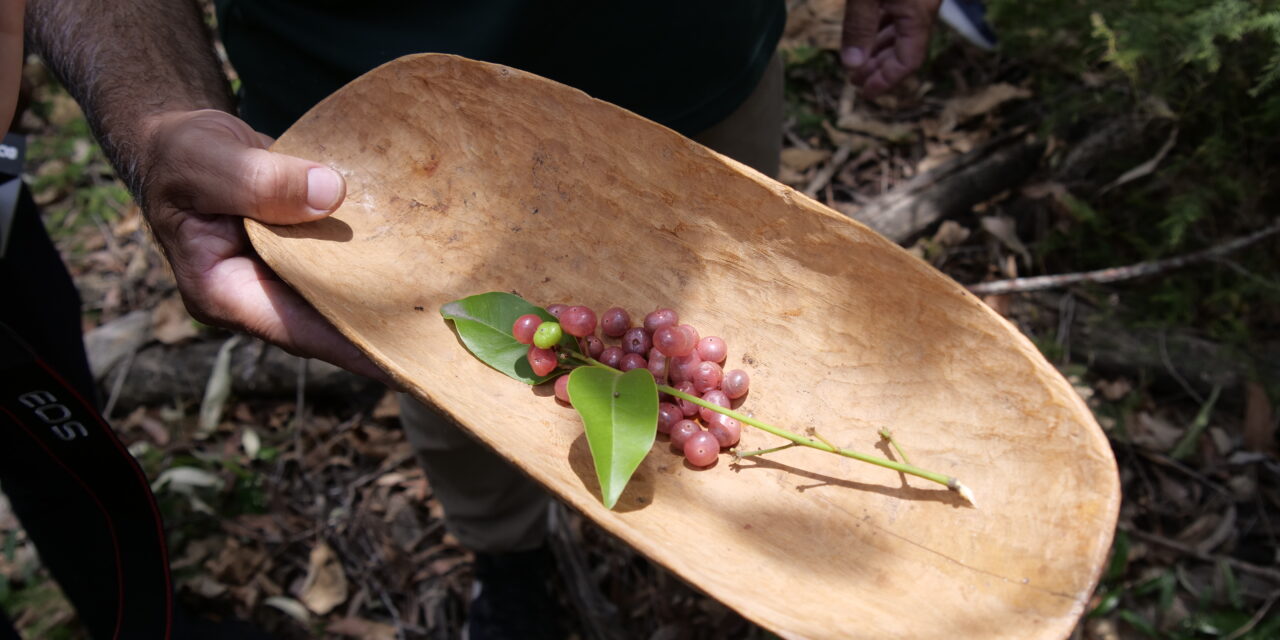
column 466, row 177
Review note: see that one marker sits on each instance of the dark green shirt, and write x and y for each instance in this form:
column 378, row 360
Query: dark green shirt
column 684, row 63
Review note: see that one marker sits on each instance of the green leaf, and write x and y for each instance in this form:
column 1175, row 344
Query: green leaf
column 484, row 323
column 1119, row 558
column 620, row 412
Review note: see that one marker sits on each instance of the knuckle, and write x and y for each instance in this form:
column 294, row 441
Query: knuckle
column 267, row 185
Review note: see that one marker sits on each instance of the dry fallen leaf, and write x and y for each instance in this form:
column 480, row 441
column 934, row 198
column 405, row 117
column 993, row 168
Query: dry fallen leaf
column 361, row 628
column 798, row 159
column 815, row 23
column 217, row 389
column 326, row 584
column 1155, row 433
column 388, row 407
column 1005, row 229
column 291, row 607
column 237, row 563
column 170, row 322
column 975, row 104
column 862, row 123
column 205, row 587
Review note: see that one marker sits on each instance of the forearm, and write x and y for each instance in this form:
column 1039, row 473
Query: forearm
column 129, row 62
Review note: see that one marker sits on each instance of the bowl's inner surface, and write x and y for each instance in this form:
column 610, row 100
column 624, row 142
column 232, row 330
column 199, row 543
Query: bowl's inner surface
column 465, row 178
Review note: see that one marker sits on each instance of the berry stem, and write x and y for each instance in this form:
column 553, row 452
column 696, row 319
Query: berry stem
column 820, row 443
column 739, row 455
column 944, row 480
column 888, row 435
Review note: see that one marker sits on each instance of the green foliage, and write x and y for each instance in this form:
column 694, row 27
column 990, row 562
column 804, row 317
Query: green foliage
column 74, row 182
column 47, row 609
column 807, row 68
column 620, row 414
column 484, row 324
column 619, row 410
column 1204, row 72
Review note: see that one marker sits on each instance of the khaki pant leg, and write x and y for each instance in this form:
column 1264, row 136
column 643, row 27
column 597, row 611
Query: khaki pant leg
column 489, row 505
column 752, row 134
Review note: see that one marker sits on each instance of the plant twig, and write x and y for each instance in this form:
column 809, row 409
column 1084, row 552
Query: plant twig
column 1127, row 272
column 948, row 481
column 887, row 435
column 1201, row 422
column 739, row 455
column 1253, row 622
column 118, row 384
column 818, row 442
column 828, row 171
column 1265, row 572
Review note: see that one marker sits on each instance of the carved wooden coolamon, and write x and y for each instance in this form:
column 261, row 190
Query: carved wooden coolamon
column 465, row 177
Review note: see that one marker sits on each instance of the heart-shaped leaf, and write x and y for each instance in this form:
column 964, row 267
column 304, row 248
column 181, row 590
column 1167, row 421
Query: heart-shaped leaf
column 620, row 412
column 484, row 323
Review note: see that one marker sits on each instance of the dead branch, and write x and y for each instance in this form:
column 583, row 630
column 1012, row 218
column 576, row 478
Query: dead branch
column 952, row 188
column 1185, row 549
column 1116, row 274
column 162, row 374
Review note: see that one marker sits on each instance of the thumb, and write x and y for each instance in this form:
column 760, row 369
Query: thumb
column 858, row 35
column 218, row 165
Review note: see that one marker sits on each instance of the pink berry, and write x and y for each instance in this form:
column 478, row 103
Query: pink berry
column 635, row 340
column 693, row 333
column 682, row 430
column 660, row 318
column 556, row 309
column 611, row 357
column 727, row 431
column 543, row 361
column 632, row 361
column 578, row 321
column 668, row 415
column 682, row 367
column 707, row 376
column 524, row 327
column 595, row 346
column 688, row 408
column 562, row 389
column 673, row 342
column 701, row 449
column 716, row 397
column 710, row 348
column 735, row 384
column 615, row 322
column 658, row 365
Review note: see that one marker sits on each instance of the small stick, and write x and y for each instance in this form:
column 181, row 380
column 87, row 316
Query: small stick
column 828, row 171
column 1128, row 272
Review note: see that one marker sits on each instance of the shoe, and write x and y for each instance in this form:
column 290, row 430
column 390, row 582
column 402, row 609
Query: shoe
column 969, row 19
column 511, row 598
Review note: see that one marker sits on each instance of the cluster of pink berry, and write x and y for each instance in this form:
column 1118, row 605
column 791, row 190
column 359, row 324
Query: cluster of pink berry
column 673, row 352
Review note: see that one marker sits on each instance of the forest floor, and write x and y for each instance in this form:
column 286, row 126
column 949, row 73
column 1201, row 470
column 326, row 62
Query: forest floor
column 312, row 519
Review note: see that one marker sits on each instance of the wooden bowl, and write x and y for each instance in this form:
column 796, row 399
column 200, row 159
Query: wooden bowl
column 465, row 177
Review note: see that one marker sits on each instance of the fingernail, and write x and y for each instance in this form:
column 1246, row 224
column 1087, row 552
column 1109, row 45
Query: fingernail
column 853, row 57
column 324, row 189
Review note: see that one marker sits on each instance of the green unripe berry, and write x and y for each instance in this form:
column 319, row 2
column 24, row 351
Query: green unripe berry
column 548, row 335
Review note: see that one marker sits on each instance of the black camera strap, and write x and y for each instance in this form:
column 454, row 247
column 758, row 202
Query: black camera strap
column 83, row 500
